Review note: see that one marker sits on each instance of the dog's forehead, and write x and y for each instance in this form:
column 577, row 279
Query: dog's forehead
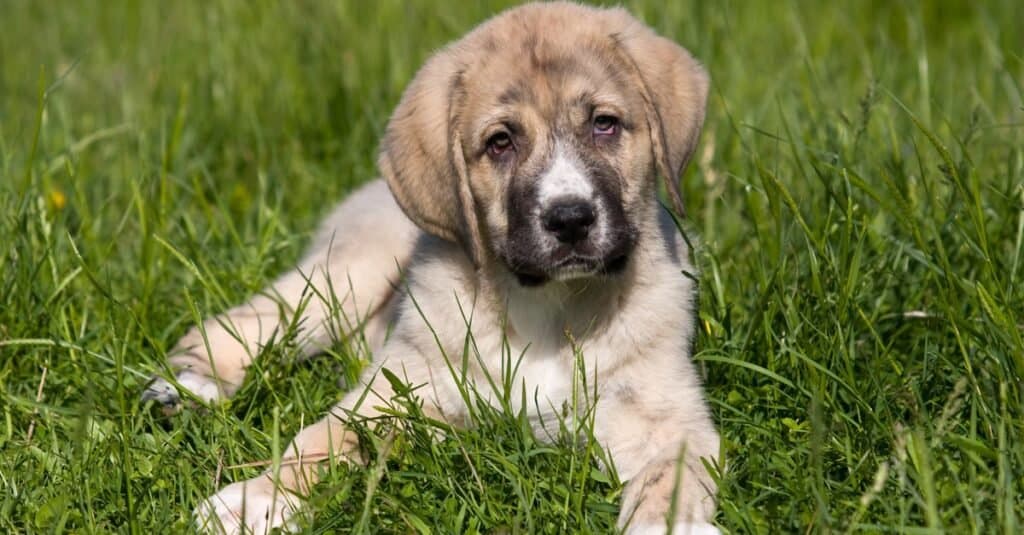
column 568, row 22
column 542, row 54
column 548, row 81
column 557, row 79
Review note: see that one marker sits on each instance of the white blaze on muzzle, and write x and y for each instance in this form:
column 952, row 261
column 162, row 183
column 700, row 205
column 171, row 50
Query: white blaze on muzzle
column 565, row 178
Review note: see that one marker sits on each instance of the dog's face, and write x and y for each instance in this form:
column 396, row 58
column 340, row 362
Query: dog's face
column 558, row 158
column 535, row 141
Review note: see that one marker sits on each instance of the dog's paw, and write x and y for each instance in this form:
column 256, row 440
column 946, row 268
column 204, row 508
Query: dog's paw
column 253, row 507
column 680, row 528
column 164, row 394
column 167, row 396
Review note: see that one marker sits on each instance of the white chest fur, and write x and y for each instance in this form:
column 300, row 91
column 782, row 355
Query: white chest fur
column 538, row 364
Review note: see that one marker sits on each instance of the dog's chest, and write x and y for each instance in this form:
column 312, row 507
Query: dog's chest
column 539, row 362
column 542, row 380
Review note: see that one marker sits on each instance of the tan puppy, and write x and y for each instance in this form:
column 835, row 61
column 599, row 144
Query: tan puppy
column 521, row 163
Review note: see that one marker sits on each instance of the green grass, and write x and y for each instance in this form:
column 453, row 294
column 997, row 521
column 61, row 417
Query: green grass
column 859, row 190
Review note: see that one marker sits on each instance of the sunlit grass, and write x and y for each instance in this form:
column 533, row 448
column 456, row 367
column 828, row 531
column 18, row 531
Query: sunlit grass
column 859, row 192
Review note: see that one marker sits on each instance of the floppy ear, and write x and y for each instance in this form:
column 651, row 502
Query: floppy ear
column 675, row 90
column 421, row 155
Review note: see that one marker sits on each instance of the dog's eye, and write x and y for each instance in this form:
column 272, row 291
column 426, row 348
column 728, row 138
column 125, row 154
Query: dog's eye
column 499, row 144
column 605, row 125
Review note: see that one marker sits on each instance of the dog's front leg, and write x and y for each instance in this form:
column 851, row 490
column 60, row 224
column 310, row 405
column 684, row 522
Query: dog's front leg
column 271, row 499
column 320, row 295
column 659, row 442
column 210, row 361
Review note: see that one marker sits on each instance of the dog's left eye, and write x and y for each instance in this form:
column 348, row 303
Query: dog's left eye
column 499, row 144
column 605, row 125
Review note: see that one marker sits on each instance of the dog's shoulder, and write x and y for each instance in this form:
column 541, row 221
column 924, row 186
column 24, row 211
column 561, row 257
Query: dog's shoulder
column 439, row 265
column 440, row 287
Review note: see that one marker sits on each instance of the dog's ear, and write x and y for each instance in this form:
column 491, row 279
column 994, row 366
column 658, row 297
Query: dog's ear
column 675, row 90
column 421, row 155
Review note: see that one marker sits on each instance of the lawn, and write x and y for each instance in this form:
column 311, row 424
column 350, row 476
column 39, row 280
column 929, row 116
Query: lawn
column 859, row 191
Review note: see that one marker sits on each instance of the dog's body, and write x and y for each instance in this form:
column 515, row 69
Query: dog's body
column 521, row 223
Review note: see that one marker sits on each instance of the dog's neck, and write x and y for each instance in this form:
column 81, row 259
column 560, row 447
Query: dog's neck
column 561, row 311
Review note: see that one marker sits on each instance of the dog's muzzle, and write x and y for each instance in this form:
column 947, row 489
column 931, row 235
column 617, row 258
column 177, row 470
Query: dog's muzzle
column 570, row 221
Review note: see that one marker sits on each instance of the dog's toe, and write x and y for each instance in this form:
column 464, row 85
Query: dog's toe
column 698, row 528
column 680, row 528
column 252, row 506
column 164, row 394
column 200, row 386
column 170, row 399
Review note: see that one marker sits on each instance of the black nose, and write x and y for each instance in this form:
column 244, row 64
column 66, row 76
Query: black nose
column 569, row 220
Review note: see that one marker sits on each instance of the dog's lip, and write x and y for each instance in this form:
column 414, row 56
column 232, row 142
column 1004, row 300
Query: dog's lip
column 575, row 261
column 615, row 265
column 572, row 266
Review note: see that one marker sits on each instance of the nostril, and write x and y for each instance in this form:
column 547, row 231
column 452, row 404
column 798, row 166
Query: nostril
column 575, row 214
column 570, row 221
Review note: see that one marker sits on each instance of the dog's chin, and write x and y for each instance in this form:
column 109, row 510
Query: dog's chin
column 571, row 269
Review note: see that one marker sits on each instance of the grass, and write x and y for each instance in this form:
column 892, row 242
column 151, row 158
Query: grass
column 859, row 190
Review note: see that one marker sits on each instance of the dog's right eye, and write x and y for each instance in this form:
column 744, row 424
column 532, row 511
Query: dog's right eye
column 499, row 144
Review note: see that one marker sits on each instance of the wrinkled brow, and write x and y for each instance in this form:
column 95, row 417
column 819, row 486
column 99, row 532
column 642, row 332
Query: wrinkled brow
column 501, row 114
column 512, row 95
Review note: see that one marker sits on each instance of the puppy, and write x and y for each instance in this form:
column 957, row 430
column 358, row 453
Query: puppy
column 519, row 217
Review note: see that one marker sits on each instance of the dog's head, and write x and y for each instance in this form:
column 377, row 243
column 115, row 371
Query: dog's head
column 536, row 139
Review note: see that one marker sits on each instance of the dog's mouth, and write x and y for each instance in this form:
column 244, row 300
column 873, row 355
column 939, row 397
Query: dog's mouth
column 572, row 267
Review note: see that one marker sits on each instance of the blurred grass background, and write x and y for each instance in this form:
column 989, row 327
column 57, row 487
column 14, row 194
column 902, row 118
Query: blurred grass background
column 859, row 191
